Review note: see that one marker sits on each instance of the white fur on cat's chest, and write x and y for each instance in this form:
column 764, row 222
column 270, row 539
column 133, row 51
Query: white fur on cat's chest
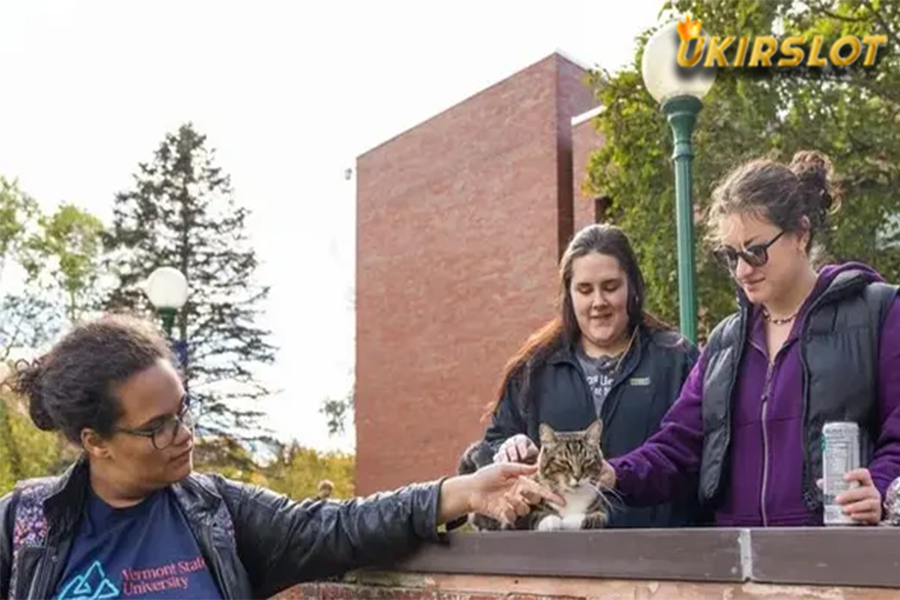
column 571, row 516
column 578, row 501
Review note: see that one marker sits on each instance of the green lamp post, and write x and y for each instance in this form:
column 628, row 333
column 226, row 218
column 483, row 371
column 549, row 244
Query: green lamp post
column 167, row 289
column 679, row 91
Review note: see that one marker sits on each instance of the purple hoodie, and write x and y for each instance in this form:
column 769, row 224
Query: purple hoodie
column 665, row 464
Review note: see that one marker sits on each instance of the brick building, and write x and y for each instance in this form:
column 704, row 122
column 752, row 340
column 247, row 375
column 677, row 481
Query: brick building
column 461, row 221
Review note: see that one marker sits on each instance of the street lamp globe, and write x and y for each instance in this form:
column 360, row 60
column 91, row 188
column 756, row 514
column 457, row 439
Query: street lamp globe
column 679, row 91
column 663, row 77
column 167, row 288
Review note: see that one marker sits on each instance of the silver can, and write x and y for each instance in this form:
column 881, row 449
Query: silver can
column 840, row 454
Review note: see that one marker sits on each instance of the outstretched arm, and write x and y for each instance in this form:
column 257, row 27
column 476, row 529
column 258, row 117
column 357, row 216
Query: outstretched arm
column 282, row 542
column 659, row 470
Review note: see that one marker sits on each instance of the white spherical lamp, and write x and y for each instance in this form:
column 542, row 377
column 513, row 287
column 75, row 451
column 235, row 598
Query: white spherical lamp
column 663, row 77
column 167, row 288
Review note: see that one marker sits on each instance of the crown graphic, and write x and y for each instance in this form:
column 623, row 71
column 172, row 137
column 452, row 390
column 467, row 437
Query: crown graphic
column 688, row 29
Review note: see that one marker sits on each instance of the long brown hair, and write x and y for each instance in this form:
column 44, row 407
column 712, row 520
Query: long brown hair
column 562, row 331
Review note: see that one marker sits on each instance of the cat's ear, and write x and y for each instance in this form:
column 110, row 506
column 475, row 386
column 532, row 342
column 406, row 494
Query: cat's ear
column 595, row 432
column 548, row 436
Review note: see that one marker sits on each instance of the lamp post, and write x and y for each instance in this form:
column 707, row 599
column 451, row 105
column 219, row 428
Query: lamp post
column 679, row 91
column 167, row 289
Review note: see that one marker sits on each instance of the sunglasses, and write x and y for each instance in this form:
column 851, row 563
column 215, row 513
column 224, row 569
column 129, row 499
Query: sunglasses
column 755, row 256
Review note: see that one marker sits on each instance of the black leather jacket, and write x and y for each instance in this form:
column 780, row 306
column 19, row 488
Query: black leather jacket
column 277, row 542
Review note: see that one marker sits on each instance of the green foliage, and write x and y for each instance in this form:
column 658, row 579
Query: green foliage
column 856, row 121
column 25, row 451
column 68, row 248
column 338, row 411
column 17, row 213
column 227, row 457
column 57, row 254
column 297, row 472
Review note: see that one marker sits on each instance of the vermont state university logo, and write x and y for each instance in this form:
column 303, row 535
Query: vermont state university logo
column 93, row 585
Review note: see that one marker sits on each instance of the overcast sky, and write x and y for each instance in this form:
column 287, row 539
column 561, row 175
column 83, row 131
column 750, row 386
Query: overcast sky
column 289, row 93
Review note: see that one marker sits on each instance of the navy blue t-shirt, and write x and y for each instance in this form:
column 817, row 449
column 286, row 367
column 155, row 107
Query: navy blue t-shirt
column 143, row 551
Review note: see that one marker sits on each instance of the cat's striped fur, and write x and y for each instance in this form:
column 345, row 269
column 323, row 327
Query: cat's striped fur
column 570, row 464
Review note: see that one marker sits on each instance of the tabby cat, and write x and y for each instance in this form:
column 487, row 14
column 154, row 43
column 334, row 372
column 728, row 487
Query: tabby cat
column 570, row 464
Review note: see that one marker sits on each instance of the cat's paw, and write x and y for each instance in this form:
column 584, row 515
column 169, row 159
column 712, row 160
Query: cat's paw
column 596, row 520
column 573, row 522
column 550, row 523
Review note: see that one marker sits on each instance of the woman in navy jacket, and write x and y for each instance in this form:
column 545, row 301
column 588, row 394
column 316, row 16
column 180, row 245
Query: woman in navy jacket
column 602, row 357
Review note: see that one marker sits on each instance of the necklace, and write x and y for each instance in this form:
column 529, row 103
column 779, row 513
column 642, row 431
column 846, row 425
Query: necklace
column 775, row 321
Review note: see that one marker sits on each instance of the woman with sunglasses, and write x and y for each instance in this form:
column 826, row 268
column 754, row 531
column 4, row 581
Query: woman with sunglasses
column 806, row 347
column 131, row 519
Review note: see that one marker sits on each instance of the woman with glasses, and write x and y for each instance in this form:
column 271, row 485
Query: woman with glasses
column 808, row 346
column 130, row 519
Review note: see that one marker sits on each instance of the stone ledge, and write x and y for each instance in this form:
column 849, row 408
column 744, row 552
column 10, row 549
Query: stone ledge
column 486, row 587
column 846, row 556
column 804, row 563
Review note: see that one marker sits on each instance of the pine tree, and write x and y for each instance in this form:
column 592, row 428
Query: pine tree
column 182, row 213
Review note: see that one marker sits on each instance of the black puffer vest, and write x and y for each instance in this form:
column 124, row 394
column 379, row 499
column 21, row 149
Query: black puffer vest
column 839, row 344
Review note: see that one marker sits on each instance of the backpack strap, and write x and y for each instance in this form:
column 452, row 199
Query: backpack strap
column 29, row 521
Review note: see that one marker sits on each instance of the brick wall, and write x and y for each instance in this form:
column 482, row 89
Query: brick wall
column 478, row 587
column 459, row 231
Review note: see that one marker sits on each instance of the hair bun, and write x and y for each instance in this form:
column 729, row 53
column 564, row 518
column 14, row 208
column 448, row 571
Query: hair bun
column 28, row 383
column 814, row 170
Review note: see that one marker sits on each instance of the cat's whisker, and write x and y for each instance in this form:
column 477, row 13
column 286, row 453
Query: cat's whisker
column 609, row 497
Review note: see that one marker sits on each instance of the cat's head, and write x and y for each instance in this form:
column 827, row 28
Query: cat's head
column 573, row 458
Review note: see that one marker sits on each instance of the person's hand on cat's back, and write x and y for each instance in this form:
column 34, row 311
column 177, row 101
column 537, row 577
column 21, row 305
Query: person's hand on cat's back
column 519, row 448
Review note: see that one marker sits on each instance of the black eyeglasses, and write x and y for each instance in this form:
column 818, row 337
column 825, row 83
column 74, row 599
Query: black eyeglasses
column 755, row 256
column 163, row 434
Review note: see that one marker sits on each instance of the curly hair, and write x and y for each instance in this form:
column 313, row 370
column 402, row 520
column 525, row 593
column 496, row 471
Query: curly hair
column 73, row 386
column 783, row 194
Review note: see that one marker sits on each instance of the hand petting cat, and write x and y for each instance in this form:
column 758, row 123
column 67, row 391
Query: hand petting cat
column 499, row 491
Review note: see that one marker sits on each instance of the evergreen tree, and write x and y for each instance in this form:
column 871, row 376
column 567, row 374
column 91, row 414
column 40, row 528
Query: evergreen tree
column 182, row 213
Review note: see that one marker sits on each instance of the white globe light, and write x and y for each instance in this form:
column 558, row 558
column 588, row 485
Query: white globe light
column 167, row 287
column 663, row 77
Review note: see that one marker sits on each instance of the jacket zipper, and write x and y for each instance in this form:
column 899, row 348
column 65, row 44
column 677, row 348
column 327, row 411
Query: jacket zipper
column 765, row 439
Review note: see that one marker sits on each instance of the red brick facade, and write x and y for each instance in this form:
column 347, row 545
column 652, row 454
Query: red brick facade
column 460, row 224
